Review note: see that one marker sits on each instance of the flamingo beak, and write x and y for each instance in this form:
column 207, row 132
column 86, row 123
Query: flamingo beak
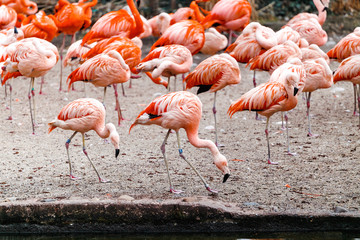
column 117, row 152
column 15, row 30
column 226, row 176
column 325, row 8
column 295, row 91
column 138, row 3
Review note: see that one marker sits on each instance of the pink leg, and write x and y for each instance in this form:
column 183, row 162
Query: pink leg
column 118, row 109
column 30, row 95
column 268, row 144
column 72, row 177
column 41, row 84
column 287, row 136
column 10, row 104
column 61, row 60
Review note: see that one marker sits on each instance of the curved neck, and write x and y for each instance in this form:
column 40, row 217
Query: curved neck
column 85, row 5
column 31, row 7
column 138, row 28
column 201, row 143
column 198, row 14
column 322, row 13
column 104, row 131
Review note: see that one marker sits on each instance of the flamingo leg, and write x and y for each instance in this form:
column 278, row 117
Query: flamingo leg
column 10, row 96
column 104, row 96
column 287, row 136
column 282, row 121
column 267, row 139
column 168, row 86
column 41, row 84
column 310, row 134
column 355, row 100
column 216, row 130
column 67, row 144
column 123, row 90
column 118, row 109
column 196, row 171
column 162, row 148
column 175, row 83
column 358, row 98
column 183, row 83
column 102, row 180
column 61, row 60
column 31, row 93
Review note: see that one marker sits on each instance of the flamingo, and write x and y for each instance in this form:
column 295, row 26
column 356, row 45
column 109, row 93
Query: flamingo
column 167, row 61
column 83, row 115
column 321, row 6
column 287, row 33
column 313, row 52
column 188, row 33
column 214, row 42
column 159, row 23
column 178, row 110
column 279, row 94
column 311, row 31
column 103, row 70
column 74, row 53
column 8, row 17
column 346, row 47
column 184, row 13
column 213, row 74
column 30, row 57
column 40, row 26
column 21, row 6
column 318, row 75
column 116, row 23
column 70, row 18
column 348, row 70
column 232, row 15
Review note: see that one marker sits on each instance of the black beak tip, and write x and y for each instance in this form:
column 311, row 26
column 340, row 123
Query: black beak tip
column 117, row 152
column 226, row 176
column 295, row 91
column 138, row 3
column 325, row 9
column 15, row 30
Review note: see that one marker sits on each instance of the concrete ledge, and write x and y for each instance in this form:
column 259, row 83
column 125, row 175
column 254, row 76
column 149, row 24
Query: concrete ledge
column 146, row 215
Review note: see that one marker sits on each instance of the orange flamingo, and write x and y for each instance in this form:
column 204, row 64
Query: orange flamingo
column 313, row 52
column 275, row 56
column 74, row 53
column 8, row 17
column 279, row 94
column 21, row 6
column 167, row 61
column 118, row 23
column 31, row 57
column 103, row 70
column 233, row 15
column 311, row 30
column 83, row 115
column 321, row 6
column 213, row 74
column 177, row 110
column 70, row 18
column 184, row 13
column 349, row 71
column 318, row 75
column 40, row 26
column 214, row 42
column 287, row 33
column 188, row 33
column 347, row 46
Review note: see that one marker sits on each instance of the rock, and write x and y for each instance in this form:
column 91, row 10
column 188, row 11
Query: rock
column 189, row 199
column 339, row 209
column 126, row 198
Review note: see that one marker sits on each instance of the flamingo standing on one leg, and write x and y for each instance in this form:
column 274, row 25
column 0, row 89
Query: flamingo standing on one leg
column 167, row 61
column 70, row 18
column 318, row 75
column 83, row 115
column 213, row 74
column 349, row 70
column 30, row 57
column 273, row 96
column 177, row 110
column 103, row 70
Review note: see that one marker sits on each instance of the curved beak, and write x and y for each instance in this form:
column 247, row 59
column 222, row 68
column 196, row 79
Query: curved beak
column 325, row 9
column 138, row 3
column 117, row 152
column 15, row 30
column 295, row 91
column 226, row 176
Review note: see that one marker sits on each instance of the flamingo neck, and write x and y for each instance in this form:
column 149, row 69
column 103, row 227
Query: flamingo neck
column 87, row 5
column 322, row 14
column 139, row 25
column 201, row 143
column 29, row 7
column 198, row 14
column 105, row 130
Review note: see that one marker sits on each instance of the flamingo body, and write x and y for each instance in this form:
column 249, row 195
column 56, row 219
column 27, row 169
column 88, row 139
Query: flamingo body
column 347, row 46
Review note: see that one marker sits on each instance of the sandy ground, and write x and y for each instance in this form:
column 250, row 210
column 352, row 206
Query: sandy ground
column 323, row 174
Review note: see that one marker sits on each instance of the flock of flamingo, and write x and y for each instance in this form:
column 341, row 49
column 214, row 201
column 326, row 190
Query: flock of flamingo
column 110, row 53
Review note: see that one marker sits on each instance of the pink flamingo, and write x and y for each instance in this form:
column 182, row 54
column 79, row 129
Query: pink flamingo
column 287, row 33
column 213, row 74
column 177, row 110
column 279, row 94
column 83, row 115
column 103, row 70
column 313, row 52
column 188, row 33
column 318, row 75
column 21, row 6
column 31, row 57
column 167, row 61
column 159, row 23
column 214, row 42
column 347, row 46
column 8, row 17
column 321, row 6
column 349, row 71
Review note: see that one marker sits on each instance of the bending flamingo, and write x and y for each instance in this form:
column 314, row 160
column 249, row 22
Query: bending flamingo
column 278, row 94
column 321, row 6
column 83, row 115
column 213, row 74
column 177, row 110
column 103, row 70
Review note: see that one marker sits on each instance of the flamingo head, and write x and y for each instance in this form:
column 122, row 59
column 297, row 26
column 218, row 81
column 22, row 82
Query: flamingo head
column 114, row 138
column 221, row 163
